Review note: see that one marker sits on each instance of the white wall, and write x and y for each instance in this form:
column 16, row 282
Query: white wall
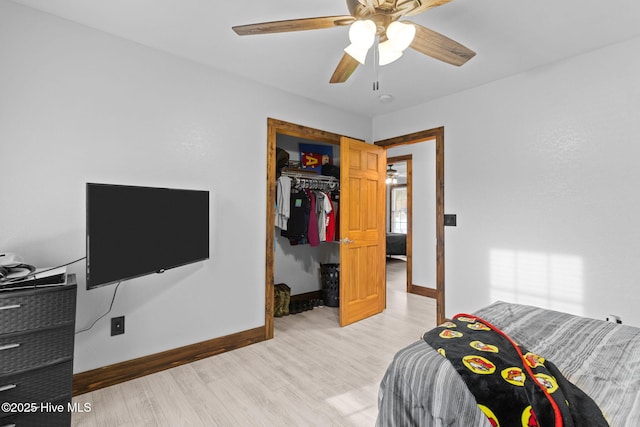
column 542, row 170
column 77, row 106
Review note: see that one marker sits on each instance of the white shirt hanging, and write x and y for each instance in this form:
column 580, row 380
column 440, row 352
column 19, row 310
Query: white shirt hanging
column 283, row 200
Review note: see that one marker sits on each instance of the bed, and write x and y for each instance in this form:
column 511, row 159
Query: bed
column 396, row 244
column 421, row 388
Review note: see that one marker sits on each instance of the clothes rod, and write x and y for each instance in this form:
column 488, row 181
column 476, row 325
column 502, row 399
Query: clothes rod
column 317, row 182
column 300, row 175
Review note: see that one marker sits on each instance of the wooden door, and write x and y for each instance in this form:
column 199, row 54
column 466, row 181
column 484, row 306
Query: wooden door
column 362, row 230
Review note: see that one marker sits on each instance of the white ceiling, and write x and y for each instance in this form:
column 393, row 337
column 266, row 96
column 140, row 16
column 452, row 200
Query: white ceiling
column 509, row 37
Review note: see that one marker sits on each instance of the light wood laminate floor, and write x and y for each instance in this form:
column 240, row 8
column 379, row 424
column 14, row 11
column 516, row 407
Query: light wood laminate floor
column 313, row 373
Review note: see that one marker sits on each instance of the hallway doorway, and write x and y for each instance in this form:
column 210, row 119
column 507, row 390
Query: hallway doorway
column 425, row 239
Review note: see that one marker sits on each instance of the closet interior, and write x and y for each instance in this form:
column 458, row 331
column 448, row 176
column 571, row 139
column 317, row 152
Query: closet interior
column 307, row 226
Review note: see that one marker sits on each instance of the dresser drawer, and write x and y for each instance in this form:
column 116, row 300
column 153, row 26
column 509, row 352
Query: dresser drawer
column 31, row 350
column 40, row 385
column 46, row 418
column 32, row 309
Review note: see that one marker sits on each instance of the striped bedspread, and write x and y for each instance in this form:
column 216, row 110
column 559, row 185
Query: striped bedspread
column 421, row 388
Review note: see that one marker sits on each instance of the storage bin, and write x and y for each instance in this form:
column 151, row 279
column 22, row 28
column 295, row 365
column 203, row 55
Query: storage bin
column 330, row 280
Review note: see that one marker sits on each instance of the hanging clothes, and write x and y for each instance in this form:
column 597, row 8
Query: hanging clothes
column 312, row 230
column 323, row 208
column 299, row 207
column 331, row 222
column 320, row 216
column 283, row 202
column 312, row 215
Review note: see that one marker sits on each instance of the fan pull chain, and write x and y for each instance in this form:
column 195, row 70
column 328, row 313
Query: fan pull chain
column 376, row 83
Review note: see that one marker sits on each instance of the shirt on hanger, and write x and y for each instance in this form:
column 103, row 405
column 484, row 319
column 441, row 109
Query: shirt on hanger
column 283, row 208
column 331, row 222
column 312, row 231
column 323, row 207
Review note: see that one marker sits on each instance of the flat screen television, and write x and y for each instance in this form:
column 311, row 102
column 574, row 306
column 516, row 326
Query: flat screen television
column 133, row 231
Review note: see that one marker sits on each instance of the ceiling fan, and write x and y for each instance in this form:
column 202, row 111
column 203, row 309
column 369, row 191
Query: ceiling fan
column 371, row 18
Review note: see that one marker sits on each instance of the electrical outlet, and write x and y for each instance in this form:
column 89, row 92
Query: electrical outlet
column 117, row 325
column 613, row 318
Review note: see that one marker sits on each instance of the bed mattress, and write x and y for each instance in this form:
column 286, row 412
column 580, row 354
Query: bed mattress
column 421, row 388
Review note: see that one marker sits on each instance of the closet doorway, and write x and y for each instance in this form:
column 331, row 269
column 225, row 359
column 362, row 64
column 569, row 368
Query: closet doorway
column 362, row 222
column 423, row 152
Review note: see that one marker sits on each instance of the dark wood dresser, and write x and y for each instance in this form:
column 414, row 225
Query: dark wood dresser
column 36, row 355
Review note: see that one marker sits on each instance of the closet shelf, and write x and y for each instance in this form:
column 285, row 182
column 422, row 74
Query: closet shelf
column 311, row 181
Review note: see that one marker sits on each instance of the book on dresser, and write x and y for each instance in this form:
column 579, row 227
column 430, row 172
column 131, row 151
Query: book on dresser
column 37, row 327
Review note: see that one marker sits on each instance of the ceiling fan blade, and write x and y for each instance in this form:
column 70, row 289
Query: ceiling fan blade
column 440, row 47
column 345, row 68
column 426, row 4
column 293, row 25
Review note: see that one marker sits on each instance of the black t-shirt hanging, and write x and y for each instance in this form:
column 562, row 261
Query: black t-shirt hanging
column 298, row 217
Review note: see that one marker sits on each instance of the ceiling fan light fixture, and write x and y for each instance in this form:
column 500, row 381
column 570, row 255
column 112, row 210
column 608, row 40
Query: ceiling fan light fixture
column 387, row 53
column 367, row 19
column 392, row 175
column 401, row 35
column 362, row 33
column 357, row 53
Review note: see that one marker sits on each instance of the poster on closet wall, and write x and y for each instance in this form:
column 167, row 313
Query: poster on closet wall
column 313, row 156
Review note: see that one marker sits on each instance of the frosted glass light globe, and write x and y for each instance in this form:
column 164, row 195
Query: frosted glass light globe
column 401, row 35
column 362, row 33
column 387, row 53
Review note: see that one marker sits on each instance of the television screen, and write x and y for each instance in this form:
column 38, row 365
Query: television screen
column 133, row 231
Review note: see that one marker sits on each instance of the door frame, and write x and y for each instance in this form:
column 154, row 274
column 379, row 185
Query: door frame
column 436, row 135
column 275, row 127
